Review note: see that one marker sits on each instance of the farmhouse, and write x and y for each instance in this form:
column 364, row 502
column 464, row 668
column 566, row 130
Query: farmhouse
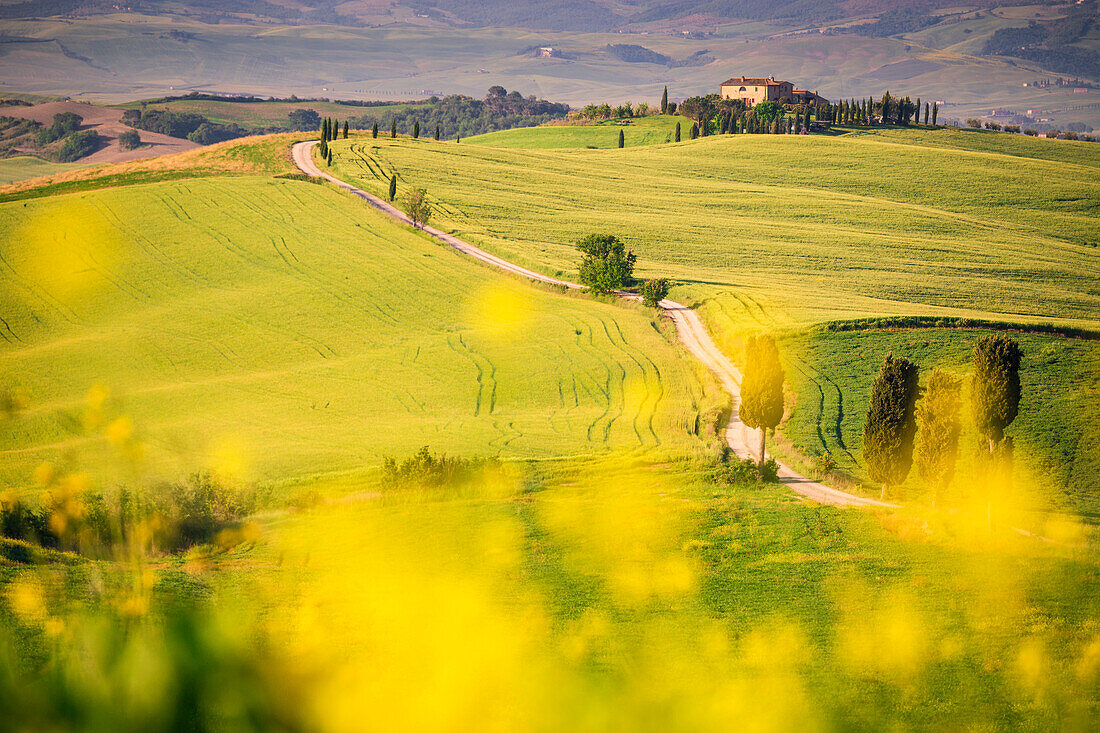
column 753, row 90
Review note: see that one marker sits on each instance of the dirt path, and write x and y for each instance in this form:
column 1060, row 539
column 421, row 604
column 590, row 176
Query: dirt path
column 689, row 327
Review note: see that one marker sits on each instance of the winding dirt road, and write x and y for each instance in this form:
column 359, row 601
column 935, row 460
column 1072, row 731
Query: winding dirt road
column 689, row 327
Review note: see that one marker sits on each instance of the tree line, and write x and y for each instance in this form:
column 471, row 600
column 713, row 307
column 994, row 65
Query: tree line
column 461, row 116
column 907, row 424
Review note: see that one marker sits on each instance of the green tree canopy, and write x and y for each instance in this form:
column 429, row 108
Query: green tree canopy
column 938, row 431
column 762, row 387
column 891, row 426
column 606, row 265
column 996, row 385
column 654, row 291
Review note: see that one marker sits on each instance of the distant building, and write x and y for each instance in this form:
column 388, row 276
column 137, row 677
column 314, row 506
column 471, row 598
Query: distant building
column 754, row 90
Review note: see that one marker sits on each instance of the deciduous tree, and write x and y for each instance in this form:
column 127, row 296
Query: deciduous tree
column 762, row 388
column 417, row 207
column 606, row 265
column 654, row 291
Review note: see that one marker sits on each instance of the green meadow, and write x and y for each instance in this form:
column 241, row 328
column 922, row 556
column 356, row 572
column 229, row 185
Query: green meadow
column 592, row 594
column 812, row 228
column 28, row 166
column 782, row 233
column 209, row 313
column 651, row 130
column 260, row 114
column 280, row 330
column 1056, row 435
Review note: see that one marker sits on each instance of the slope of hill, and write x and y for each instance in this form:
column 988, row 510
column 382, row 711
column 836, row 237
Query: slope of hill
column 280, row 326
column 781, row 232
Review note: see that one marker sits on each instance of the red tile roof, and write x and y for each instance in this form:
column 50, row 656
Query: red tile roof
column 754, row 81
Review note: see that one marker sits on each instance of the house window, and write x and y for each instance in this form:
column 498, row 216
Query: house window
column 742, row 89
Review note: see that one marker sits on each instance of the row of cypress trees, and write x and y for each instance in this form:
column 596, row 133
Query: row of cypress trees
column 898, row 406
column 891, row 440
column 393, row 129
column 330, row 130
column 903, row 111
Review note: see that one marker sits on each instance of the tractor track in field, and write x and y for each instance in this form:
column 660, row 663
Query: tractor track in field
column 690, row 329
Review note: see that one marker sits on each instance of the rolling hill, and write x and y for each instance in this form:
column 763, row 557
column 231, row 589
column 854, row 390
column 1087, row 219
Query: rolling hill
column 279, row 325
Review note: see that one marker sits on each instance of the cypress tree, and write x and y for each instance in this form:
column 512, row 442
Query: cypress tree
column 374, row 130
column 458, row 138
column 916, row 112
column 926, row 108
column 938, row 433
column 935, row 112
column 416, row 129
column 996, row 386
column 762, row 388
column 324, row 129
column 891, row 427
column 664, row 101
column 622, row 139
column 345, row 129
column 694, row 130
column 393, row 128
column 393, row 187
column 677, row 132
column 437, row 132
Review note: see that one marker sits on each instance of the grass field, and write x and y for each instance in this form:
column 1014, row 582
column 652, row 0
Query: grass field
column 903, row 227
column 261, row 114
column 875, row 223
column 284, row 330
column 23, row 167
column 278, row 331
column 594, row 594
column 651, row 130
column 1057, row 432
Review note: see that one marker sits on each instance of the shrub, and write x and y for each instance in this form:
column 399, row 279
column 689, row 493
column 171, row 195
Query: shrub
column 171, row 517
column 769, row 472
column 435, row 470
column 129, row 140
column 77, row 145
column 654, row 291
column 64, row 123
column 417, row 207
column 209, row 133
column 825, row 462
column 736, row 473
column 973, row 122
column 606, row 265
column 304, row 120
